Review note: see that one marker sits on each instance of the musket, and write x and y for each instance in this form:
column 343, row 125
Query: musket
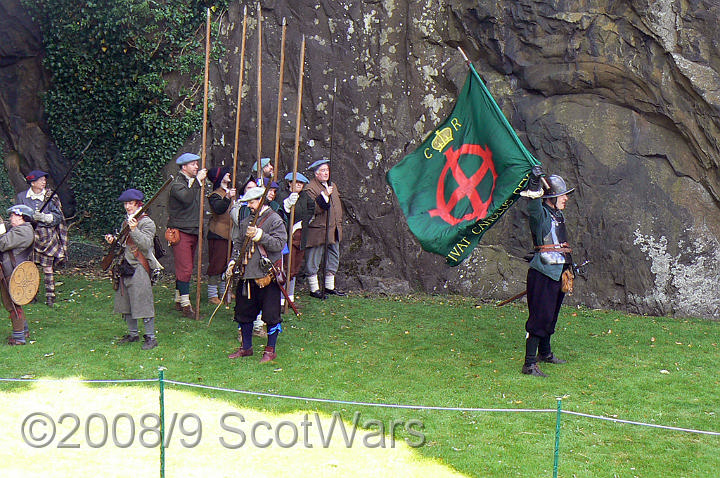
column 236, row 270
column 115, row 247
column 67, row 175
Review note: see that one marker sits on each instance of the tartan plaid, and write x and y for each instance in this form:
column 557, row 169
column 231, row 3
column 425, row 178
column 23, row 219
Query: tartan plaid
column 51, row 242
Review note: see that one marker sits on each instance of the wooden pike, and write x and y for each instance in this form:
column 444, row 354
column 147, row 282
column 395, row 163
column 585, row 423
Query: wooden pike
column 298, row 115
column 241, row 78
column 259, row 92
column 279, row 101
column 203, row 157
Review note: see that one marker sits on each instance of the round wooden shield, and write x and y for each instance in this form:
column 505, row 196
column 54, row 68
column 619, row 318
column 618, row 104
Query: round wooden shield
column 24, row 283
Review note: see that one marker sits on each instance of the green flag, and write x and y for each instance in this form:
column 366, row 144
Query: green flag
column 464, row 176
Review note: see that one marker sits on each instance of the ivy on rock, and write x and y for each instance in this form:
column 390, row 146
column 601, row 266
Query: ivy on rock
column 120, row 74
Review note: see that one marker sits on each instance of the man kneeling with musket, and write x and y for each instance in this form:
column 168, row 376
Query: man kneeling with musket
column 16, row 245
column 258, row 291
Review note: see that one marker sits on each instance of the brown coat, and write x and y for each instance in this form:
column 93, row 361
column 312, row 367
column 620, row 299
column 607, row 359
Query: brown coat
column 316, row 229
column 220, row 222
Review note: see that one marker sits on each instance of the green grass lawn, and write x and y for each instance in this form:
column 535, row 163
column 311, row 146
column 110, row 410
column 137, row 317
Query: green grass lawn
column 420, row 350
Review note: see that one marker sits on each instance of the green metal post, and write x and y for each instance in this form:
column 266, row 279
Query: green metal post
column 162, row 423
column 557, row 438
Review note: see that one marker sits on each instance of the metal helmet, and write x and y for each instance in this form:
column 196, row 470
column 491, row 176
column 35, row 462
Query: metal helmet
column 557, row 187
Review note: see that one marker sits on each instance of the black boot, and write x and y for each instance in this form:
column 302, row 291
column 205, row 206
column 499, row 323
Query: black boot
column 533, row 369
column 552, row 359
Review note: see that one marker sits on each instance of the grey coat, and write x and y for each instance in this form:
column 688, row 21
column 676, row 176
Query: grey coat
column 273, row 240
column 19, row 240
column 135, row 296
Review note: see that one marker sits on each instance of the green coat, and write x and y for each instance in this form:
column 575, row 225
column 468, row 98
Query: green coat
column 540, row 225
column 184, row 205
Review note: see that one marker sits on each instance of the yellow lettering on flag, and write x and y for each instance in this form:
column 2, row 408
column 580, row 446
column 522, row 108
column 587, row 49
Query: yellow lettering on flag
column 458, row 249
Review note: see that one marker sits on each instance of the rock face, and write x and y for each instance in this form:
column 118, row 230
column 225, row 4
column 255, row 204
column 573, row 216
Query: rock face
column 24, row 134
column 620, row 98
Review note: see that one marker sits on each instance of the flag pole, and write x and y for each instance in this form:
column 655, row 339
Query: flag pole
column 327, row 216
column 298, row 115
column 203, row 158
column 467, row 60
column 531, row 159
column 241, row 78
column 259, row 93
column 279, row 101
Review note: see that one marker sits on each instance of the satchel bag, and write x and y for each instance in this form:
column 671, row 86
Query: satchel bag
column 264, row 281
column 567, row 278
column 158, row 248
column 124, row 269
column 172, row 235
column 276, row 274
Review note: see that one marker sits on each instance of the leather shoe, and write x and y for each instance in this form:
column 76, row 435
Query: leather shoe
column 149, row 343
column 533, row 370
column 14, row 341
column 336, row 292
column 268, row 355
column 187, row 311
column 552, row 359
column 215, row 300
column 241, row 352
column 127, row 338
column 317, row 294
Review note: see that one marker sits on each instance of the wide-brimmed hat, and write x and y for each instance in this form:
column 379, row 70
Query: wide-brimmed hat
column 253, row 193
column 131, row 195
column 35, row 175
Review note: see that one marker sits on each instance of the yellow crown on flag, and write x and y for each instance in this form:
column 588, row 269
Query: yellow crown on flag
column 442, row 138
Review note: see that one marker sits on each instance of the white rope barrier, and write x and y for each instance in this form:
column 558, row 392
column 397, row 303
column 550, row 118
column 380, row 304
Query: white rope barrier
column 361, row 404
column 652, row 425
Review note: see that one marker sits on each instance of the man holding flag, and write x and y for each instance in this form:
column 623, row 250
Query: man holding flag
column 466, row 174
